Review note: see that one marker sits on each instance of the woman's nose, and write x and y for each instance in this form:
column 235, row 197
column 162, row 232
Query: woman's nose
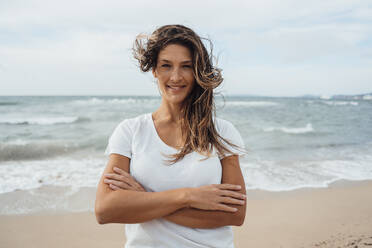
column 175, row 75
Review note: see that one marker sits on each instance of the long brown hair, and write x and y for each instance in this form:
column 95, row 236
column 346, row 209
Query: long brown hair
column 198, row 109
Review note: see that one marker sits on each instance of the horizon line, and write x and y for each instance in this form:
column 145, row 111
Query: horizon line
column 217, row 95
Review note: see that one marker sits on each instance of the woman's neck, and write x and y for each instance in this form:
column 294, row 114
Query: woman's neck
column 169, row 112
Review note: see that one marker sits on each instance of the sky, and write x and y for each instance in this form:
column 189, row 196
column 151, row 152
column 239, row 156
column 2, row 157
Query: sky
column 264, row 47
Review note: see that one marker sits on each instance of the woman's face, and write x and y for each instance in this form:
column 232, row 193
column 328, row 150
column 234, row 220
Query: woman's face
column 174, row 73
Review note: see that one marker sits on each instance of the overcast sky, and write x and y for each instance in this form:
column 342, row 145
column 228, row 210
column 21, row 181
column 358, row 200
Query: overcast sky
column 265, row 47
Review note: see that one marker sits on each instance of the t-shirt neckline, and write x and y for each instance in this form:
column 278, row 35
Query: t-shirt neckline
column 155, row 132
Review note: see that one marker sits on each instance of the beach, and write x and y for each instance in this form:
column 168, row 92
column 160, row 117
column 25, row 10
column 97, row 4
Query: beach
column 337, row 216
column 307, row 170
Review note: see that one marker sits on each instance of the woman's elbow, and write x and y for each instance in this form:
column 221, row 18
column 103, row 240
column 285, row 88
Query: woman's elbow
column 101, row 213
column 239, row 221
column 239, row 218
column 103, row 210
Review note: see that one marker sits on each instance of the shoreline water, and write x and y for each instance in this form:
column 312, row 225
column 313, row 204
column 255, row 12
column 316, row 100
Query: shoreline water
column 52, row 200
column 292, row 142
column 337, row 216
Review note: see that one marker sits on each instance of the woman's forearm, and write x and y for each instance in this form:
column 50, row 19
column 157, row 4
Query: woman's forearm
column 196, row 218
column 125, row 206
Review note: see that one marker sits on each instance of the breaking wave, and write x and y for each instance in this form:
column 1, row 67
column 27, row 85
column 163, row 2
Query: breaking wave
column 292, row 130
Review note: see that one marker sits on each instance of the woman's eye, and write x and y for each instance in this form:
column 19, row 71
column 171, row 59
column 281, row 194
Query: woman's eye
column 187, row 66
column 165, row 65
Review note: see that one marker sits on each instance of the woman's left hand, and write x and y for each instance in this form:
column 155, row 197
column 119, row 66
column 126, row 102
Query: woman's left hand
column 122, row 180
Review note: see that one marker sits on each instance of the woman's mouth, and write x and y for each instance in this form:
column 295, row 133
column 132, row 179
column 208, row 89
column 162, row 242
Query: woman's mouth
column 175, row 88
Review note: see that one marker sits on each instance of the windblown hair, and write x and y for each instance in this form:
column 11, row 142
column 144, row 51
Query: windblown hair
column 198, row 109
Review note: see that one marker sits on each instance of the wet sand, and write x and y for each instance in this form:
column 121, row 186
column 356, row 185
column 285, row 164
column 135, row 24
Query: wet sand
column 337, row 216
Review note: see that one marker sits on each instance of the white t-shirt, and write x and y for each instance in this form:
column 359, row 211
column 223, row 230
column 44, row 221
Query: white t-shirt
column 137, row 139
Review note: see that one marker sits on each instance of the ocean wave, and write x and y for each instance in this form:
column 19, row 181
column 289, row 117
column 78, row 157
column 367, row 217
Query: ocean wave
column 325, row 97
column 341, row 103
column 8, row 103
column 52, row 184
column 34, row 150
column 98, row 101
column 60, row 171
column 43, row 120
column 251, row 103
column 291, row 130
column 258, row 174
column 291, row 175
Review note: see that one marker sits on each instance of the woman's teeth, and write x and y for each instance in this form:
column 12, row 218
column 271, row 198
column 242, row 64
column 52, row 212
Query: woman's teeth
column 176, row 87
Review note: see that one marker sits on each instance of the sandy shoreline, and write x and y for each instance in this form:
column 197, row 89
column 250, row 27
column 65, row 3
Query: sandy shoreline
column 337, row 216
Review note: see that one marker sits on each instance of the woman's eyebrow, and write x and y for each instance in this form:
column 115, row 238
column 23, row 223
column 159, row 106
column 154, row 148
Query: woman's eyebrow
column 183, row 62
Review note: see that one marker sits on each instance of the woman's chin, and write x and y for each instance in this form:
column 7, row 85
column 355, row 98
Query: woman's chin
column 175, row 99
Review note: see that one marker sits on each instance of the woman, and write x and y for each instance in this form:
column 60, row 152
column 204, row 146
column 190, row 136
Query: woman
column 173, row 176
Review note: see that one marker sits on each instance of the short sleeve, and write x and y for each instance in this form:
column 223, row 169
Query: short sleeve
column 120, row 141
column 229, row 132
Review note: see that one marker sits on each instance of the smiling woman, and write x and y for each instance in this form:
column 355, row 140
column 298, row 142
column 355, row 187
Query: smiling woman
column 173, row 176
column 174, row 73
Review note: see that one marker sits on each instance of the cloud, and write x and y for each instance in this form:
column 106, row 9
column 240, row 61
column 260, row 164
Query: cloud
column 83, row 47
column 292, row 80
column 297, row 45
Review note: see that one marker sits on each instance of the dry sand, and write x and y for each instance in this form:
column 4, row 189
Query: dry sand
column 337, row 216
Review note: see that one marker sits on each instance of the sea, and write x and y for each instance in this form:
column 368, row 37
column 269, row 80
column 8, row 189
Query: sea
column 52, row 147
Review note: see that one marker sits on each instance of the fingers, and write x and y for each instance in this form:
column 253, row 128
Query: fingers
column 138, row 187
column 119, row 184
column 230, row 200
column 120, row 171
column 128, row 180
column 123, row 180
column 228, row 186
column 122, row 185
column 121, row 175
column 126, row 177
column 230, row 191
column 233, row 194
column 115, row 177
column 226, row 208
column 113, row 187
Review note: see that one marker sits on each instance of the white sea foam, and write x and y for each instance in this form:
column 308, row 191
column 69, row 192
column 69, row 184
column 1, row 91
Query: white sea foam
column 326, row 97
column 26, row 175
column 39, row 120
column 98, row 101
column 291, row 130
column 259, row 174
column 341, row 103
column 251, row 103
column 67, row 184
column 276, row 176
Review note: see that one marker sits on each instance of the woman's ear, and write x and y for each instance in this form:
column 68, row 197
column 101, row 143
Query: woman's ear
column 154, row 73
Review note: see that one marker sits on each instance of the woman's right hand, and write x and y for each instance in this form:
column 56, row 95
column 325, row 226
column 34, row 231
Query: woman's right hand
column 215, row 197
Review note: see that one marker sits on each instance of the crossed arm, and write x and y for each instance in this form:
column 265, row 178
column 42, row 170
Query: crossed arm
column 114, row 205
column 197, row 218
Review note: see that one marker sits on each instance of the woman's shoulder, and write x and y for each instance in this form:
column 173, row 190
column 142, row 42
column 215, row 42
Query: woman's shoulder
column 222, row 125
column 134, row 122
column 227, row 130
